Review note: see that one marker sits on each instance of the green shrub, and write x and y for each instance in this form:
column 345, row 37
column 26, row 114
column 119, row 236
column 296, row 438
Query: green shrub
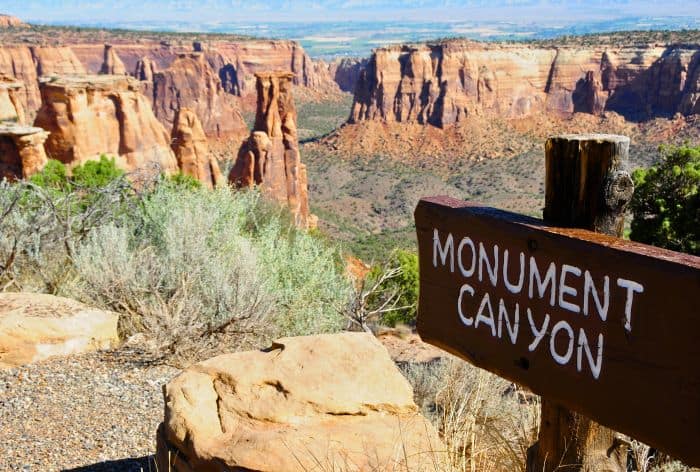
column 185, row 181
column 52, row 176
column 405, row 284
column 96, row 174
column 666, row 202
column 188, row 269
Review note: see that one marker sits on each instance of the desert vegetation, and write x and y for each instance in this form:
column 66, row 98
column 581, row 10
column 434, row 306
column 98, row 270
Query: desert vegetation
column 182, row 264
column 666, row 204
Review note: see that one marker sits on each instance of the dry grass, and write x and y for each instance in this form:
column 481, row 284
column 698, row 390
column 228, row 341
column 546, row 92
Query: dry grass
column 486, row 422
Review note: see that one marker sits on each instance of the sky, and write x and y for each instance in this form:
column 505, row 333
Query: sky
column 518, row 11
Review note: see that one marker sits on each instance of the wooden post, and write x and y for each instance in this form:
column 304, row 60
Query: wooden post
column 587, row 186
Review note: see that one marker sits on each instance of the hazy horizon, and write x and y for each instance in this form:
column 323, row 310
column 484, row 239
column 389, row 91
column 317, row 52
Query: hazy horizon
column 515, row 11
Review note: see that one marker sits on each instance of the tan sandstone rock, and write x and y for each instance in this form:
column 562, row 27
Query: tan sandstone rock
column 112, row 65
column 104, row 114
column 270, row 158
column 22, row 151
column 327, row 402
column 192, row 151
column 34, row 327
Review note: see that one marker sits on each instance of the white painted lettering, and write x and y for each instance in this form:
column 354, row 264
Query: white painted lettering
column 444, row 251
column 590, row 289
column 564, row 289
column 549, row 280
column 513, row 288
column 472, row 268
column 632, row 287
column 511, row 328
column 595, row 365
column 492, row 269
column 561, row 359
column 465, row 289
column 539, row 334
column 488, row 320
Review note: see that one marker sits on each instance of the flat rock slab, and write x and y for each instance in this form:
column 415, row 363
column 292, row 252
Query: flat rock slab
column 327, row 402
column 34, row 327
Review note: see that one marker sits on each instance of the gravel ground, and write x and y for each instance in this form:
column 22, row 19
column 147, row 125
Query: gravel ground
column 94, row 412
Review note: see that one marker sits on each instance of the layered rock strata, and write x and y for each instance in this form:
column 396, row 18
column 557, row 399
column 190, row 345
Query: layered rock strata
column 22, row 151
column 445, row 83
column 92, row 115
column 270, row 157
column 327, row 402
column 190, row 146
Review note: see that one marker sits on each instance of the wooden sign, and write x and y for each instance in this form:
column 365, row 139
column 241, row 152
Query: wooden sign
column 603, row 326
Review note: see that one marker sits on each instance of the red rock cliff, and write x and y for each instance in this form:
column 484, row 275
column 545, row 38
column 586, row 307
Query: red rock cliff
column 92, row 115
column 445, row 83
column 270, row 158
column 190, row 82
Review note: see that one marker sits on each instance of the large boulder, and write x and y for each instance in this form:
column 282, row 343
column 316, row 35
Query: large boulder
column 35, row 326
column 327, row 402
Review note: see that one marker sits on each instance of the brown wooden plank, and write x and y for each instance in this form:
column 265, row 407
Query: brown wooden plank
column 648, row 385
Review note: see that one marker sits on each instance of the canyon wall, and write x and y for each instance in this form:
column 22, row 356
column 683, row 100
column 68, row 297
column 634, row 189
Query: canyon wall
column 447, row 82
column 190, row 82
column 105, row 114
column 216, row 79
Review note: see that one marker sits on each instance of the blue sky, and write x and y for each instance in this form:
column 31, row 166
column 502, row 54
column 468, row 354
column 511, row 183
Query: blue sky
column 341, row 10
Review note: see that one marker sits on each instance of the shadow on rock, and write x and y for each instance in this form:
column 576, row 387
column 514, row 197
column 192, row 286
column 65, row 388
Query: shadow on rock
column 135, row 464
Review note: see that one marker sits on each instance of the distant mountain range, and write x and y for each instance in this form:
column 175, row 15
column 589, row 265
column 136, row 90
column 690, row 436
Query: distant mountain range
column 358, row 38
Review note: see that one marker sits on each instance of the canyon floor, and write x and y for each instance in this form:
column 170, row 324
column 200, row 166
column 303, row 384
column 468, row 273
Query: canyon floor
column 365, row 179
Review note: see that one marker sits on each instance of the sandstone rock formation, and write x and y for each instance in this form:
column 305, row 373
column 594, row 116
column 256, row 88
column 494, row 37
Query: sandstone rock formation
column 190, row 82
column 35, row 326
column 105, row 114
column 270, row 158
column 192, row 151
column 11, row 97
column 22, row 151
column 56, row 61
column 232, row 63
column 112, row 65
column 27, row 64
column 327, row 402
column 145, row 69
column 9, row 21
column 346, row 72
column 444, row 83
